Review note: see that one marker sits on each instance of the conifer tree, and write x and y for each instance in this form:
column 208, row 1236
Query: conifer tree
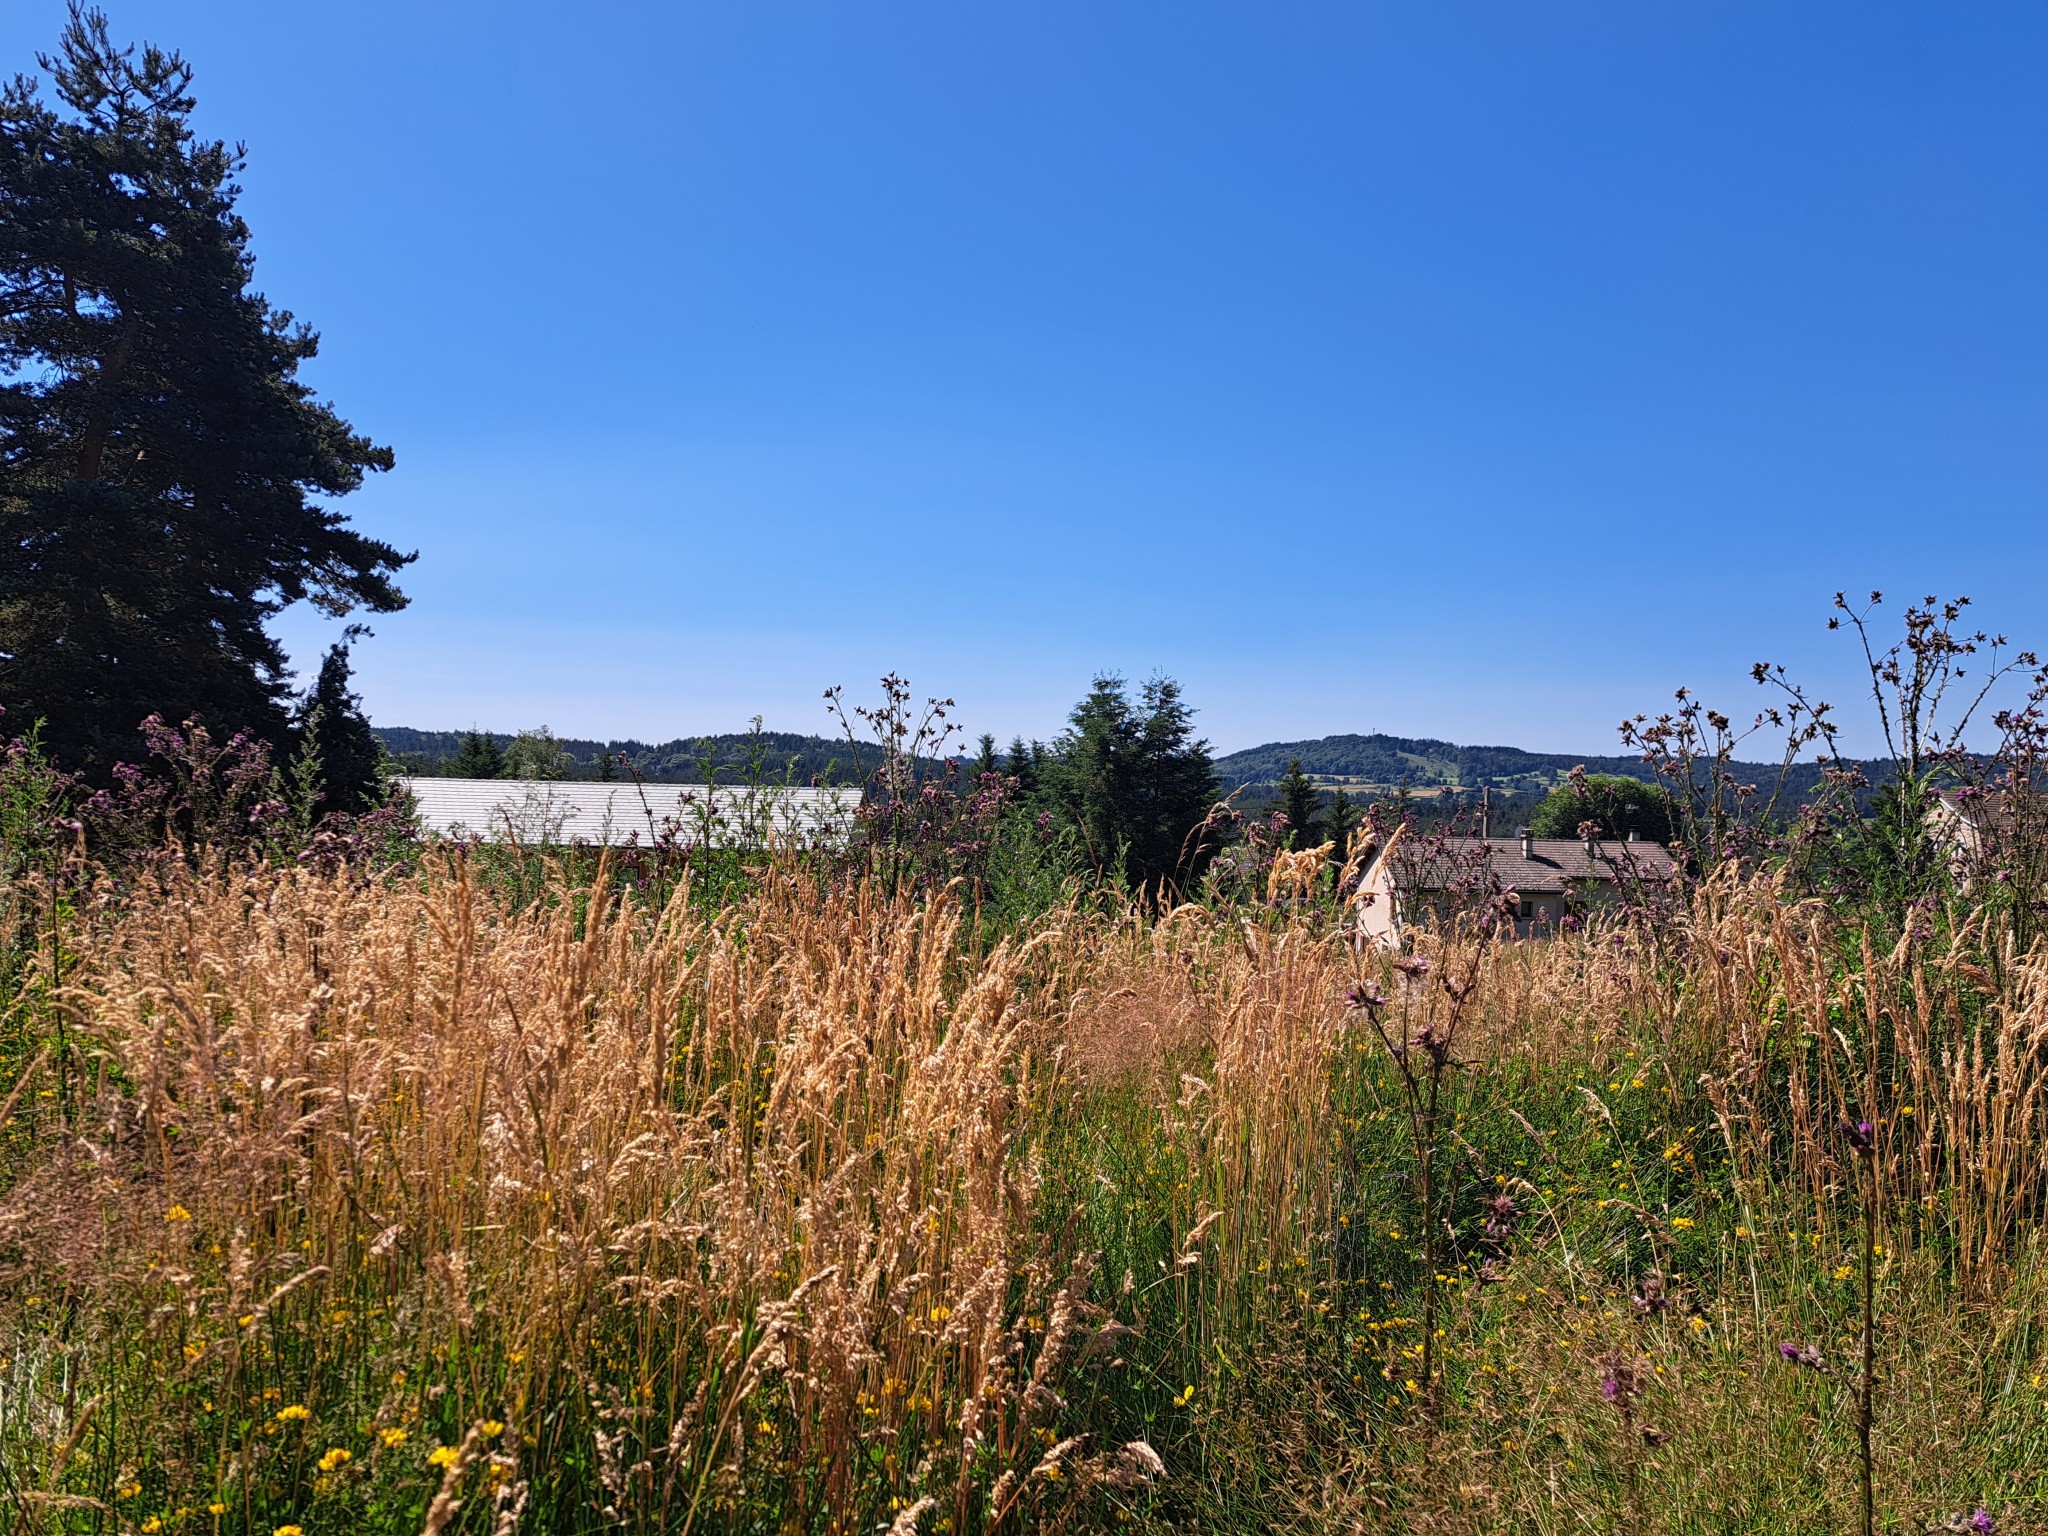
column 1021, row 763
column 1133, row 781
column 336, row 733
column 161, row 464
column 1298, row 802
column 480, row 758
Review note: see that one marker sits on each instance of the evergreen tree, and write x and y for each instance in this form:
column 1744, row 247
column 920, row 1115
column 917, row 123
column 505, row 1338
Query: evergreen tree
column 335, row 733
column 985, row 760
column 479, row 758
column 159, row 457
column 1133, row 781
column 1298, row 803
column 607, row 767
column 1344, row 819
column 1021, row 763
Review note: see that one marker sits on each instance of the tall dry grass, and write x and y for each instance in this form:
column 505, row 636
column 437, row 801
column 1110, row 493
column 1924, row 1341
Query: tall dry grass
column 392, row 1204
column 707, row 1213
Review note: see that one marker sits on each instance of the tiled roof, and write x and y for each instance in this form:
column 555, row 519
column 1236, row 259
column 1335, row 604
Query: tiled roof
column 1552, row 865
column 560, row 811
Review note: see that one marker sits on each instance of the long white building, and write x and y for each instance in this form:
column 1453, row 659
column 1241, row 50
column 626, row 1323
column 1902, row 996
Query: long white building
column 558, row 811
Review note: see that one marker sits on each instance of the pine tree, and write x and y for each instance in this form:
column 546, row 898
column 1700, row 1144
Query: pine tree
column 1298, row 803
column 480, row 758
column 336, row 734
column 1021, row 763
column 985, row 760
column 1343, row 821
column 159, row 457
column 1133, row 781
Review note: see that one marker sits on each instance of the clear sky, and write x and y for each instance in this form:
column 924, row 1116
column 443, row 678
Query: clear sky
column 1480, row 371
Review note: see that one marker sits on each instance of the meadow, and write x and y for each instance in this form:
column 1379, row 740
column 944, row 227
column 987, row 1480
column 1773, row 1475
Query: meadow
column 422, row 1198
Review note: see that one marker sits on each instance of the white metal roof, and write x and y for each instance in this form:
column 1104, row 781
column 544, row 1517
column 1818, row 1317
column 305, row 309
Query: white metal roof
column 563, row 811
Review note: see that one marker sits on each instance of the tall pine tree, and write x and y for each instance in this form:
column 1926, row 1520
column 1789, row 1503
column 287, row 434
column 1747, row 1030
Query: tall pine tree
column 480, row 757
column 336, row 733
column 1299, row 803
column 160, row 462
column 1133, row 781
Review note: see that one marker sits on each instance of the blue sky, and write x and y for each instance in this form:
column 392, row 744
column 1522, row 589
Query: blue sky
column 1480, row 371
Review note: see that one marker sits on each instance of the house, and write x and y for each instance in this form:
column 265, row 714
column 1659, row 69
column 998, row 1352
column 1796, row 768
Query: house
column 558, row 811
column 1552, row 876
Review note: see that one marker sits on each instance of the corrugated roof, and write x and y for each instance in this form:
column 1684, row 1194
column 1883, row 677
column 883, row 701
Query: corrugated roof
column 1552, row 866
column 562, row 811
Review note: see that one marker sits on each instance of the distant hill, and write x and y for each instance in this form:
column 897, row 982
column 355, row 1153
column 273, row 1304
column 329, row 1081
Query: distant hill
column 1361, row 764
column 1365, row 763
column 682, row 761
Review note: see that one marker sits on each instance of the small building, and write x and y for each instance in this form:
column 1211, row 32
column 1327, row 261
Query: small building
column 562, row 811
column 1552, row 876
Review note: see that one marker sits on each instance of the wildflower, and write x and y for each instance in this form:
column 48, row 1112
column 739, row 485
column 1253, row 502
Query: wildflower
column 393, row 1437
column 129, row 1490
column 336, row 1457
column 1697, row 1324
column 491, row 1429
column 1652, row 1300
column 442, row 1456
column 288, row 1530
column 1365, row 998
column 216, row 1509
column 177, row 1213
column 1843, row 1271
column 153, row 1523
column 1622, row 1382
column 1683, row 1223
column 1808, row 1355
column 1980, row 1522
column 293, row 1413
column 1862, row 1136
column 1501, row 1211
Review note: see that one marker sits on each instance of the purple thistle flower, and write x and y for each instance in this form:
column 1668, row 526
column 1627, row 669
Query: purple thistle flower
column 1808, row 1355
column 1981, row 1522
column 1365, row 998
column 1862, row 1136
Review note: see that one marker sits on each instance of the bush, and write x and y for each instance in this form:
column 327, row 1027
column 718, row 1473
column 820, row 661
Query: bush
column 1617, row 805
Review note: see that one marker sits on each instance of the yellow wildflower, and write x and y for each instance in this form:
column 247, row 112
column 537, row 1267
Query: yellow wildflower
column 1682, row 1223
column 177, row 1213
column 334, row 1458
column 393, row 1437
column 492, row 1429
column 442, row 1456
column 293, row 1413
